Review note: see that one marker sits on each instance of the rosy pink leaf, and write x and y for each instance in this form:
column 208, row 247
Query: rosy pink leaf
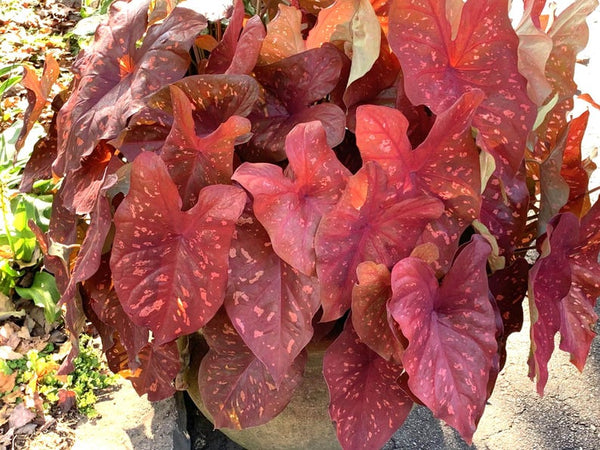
column 284, row 36
column 371, row 222
column 235, row 386
column 369, row 311
column 366, row 400
column 114, row 75
column 270, row 304
column 290, row 205
column 170, row 267
column 563, row 288
column 451, row 334
column 198, row 161
column 441, row 62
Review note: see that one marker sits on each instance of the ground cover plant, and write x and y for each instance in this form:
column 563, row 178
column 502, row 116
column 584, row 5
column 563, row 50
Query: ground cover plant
column 396, row 175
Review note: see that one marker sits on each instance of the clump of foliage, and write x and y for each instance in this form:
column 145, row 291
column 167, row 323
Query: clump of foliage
column 376, row 167
column 36, row 374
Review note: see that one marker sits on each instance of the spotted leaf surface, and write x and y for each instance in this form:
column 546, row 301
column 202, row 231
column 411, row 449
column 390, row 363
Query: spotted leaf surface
column 114, row 75
column 370, row 317
column 270, row 304
column 451, row 334
column 235, row 386
column 284, row 36
column 445, row 164
column 563, row 288
column 198, row 161
column 442, row 60
column 371, row 222
column 293, row 86
column 159, row 365
column 290, row 205
column 170, row 267
column 366, row 401
column 214, row 99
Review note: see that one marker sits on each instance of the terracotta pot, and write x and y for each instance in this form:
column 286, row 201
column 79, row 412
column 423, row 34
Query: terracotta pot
column 303, row 424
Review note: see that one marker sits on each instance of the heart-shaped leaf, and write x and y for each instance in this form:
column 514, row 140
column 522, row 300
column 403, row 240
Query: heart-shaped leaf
column 270, row 304
column 115, row 74
column 451, row 332
column 371, row 222
column 170, row 267
column 235, row 386
column 193, row 161
column 366, row 401
column 290, row 205
column 159, row 365
column 441, row 62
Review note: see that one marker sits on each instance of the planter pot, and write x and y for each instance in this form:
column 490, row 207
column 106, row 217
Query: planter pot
column 303, row 424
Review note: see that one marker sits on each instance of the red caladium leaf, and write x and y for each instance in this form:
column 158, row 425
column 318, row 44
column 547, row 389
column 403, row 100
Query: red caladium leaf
column 573, row 169
column 38, row 91
column 104, row 302
column 563, row 288
column 569, row 33
column 193, row 161
column 366, row 401
column 284, row 36
column 504, row 211
column 270, row 304
column 451, row 332
column 214, row 98
column 114, row 75
column 235, row 386
column 371, row 222
column 170, row 267
column 293, row 86
column 290, row 205
column 446, row 164
column 369, row 311
column 442, row 62
column 237, row 53
column 82, row 186
column 159, row 365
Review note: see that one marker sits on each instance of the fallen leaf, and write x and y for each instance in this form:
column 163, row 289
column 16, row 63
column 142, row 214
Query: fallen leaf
column 7, row 382
column 20, row 416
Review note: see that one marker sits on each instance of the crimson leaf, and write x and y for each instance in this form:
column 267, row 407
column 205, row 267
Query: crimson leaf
column 290, row 205
column 366, row 401
column 451, row 332
column 270, row 304
column 170, row 267
column 371, row 222
column 114, row 75
column 235, row 386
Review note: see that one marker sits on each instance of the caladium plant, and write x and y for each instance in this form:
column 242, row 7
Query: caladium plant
column 376, row 168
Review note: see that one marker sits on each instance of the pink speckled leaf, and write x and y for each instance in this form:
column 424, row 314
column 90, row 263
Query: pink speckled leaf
column 170, row 267
column 270, row 304
column 159, row 365
column 366, row 400
column 370, row 317
column 235, row 386
column 293, row 86
column 563, row 288
column 104, row 302
column 284, row 36
column 290, row 205
column 115, row 74
column 446, row 164
column 214, row 99
column 198, row 161
column 440, row 67
column 451, row 332
column 371, row 222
